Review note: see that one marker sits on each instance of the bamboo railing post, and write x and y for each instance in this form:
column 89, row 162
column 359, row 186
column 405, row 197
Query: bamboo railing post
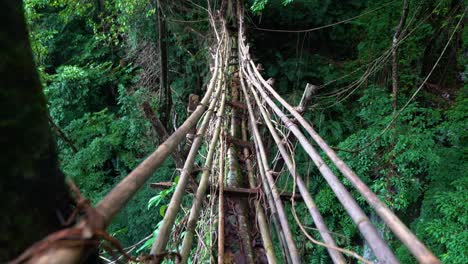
column 201, row 191
column 415, row 246
column 162, row 237
column 311, row 206
column 271, row 182
column 379, row 247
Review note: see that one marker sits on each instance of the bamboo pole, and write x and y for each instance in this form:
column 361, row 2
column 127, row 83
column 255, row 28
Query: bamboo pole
column 261, row 219
column 221, row 203
column 301, row 107
column 162, row 237
column 415, row 246
column 271, row 182
column 201, row 191
column 273, row 210
column 336, row 256
column 367, row 229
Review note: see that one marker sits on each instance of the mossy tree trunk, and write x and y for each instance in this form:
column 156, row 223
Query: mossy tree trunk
column 32, row 188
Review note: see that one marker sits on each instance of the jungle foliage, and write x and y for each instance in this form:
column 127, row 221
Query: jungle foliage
column 98, row 63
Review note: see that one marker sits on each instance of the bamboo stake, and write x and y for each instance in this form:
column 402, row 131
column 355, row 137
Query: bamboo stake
column 261, row 219
column 379, row 247
column 415, row 246
column 162, row 237
column 201, row 191
column 271, row 182
column 316, row 216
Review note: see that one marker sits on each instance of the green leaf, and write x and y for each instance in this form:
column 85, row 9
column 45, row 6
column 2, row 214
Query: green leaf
column 162, row 210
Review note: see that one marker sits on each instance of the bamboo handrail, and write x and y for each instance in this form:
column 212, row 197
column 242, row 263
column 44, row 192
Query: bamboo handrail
column 110, row 205
column 336, row 256
column 271, row 183
column 273, row 210
column 202, row 187
column 415, row 246
column 261, row 219
column 367, row 229
column 163, row 235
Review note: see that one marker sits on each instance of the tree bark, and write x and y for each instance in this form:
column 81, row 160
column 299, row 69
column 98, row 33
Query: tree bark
column 164, row 89
column 32, row 187
column 396, row 39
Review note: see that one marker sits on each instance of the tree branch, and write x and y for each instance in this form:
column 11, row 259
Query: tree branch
column 161, row 131
column 396, row 39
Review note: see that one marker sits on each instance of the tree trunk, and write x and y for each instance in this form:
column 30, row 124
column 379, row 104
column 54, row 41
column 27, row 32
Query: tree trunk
column 396, row 39
column 164, row 89
column 32, row 188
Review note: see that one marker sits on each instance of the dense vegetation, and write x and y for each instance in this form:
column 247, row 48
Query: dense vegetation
column 98, row 62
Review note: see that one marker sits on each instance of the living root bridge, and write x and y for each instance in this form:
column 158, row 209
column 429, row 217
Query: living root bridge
column 238, row 93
